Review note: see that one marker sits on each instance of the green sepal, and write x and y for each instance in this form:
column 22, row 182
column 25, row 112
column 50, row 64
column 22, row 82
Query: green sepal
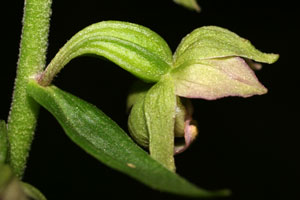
column 152, row 118
column 216, row 78
column 135, row 48
column 138, row 123
column 214, row 42
column 190, row 4
column 102, row 138
column 159, row 108
column 3, row 142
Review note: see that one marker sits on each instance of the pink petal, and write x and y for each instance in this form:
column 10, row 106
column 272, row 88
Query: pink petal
column 216, row 78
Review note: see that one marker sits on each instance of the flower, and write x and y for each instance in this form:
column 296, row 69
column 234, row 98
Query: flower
column 210, row 63
column 184, row 125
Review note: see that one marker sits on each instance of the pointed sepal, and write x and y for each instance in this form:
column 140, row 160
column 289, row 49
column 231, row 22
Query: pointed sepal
column 215, row 42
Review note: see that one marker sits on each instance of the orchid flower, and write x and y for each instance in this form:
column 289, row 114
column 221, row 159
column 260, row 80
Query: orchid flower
column 208, row 64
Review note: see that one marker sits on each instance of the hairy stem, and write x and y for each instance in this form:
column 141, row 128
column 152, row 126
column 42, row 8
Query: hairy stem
column 24, row 110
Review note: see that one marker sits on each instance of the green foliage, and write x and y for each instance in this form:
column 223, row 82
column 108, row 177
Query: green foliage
column 135, row 48
column 102, row 138
column 206, row 64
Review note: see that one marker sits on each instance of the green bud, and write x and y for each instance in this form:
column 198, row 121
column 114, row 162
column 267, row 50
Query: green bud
column 151, row 121
column 137, row 124
column 184, row 124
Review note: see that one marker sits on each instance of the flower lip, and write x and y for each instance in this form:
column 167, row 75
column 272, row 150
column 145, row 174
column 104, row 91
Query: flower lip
column 190, row 130
column 190, row 134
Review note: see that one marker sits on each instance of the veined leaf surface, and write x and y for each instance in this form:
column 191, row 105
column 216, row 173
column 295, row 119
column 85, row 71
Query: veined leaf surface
column 133, row 47
column 102, row 138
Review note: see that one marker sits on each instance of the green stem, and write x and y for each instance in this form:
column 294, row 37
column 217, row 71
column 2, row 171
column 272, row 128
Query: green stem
column 24, row 110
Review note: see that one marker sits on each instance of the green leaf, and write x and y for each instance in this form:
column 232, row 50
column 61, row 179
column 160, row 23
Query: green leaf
column 102, row 138
column 190, row 4
column 135, row 48
column 32, row 192
column 160, row 105
column 3, row 141
column 215, row 42
column 216, row 78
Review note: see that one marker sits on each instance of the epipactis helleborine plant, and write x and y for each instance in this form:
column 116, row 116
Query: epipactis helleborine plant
column 209, row 63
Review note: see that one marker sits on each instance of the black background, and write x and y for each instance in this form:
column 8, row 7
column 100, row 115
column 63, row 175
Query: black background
column 247, row 145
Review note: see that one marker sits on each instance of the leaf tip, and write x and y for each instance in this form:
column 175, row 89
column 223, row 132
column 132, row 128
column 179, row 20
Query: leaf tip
column 190, row 4
column 224, row 193
column 215, row 193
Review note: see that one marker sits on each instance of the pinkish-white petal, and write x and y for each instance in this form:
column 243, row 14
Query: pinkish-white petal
column 190, row 134
column 185, row 126
column 216, row 78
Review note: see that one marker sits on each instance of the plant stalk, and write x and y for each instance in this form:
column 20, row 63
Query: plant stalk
column 32, row 57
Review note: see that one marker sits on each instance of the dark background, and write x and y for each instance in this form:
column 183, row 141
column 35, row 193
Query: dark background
column 247, row 145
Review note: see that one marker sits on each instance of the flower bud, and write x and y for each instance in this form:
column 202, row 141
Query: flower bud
column 184, row 127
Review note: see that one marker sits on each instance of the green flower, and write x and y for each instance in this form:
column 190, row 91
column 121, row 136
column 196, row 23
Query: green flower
column 210, row 63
